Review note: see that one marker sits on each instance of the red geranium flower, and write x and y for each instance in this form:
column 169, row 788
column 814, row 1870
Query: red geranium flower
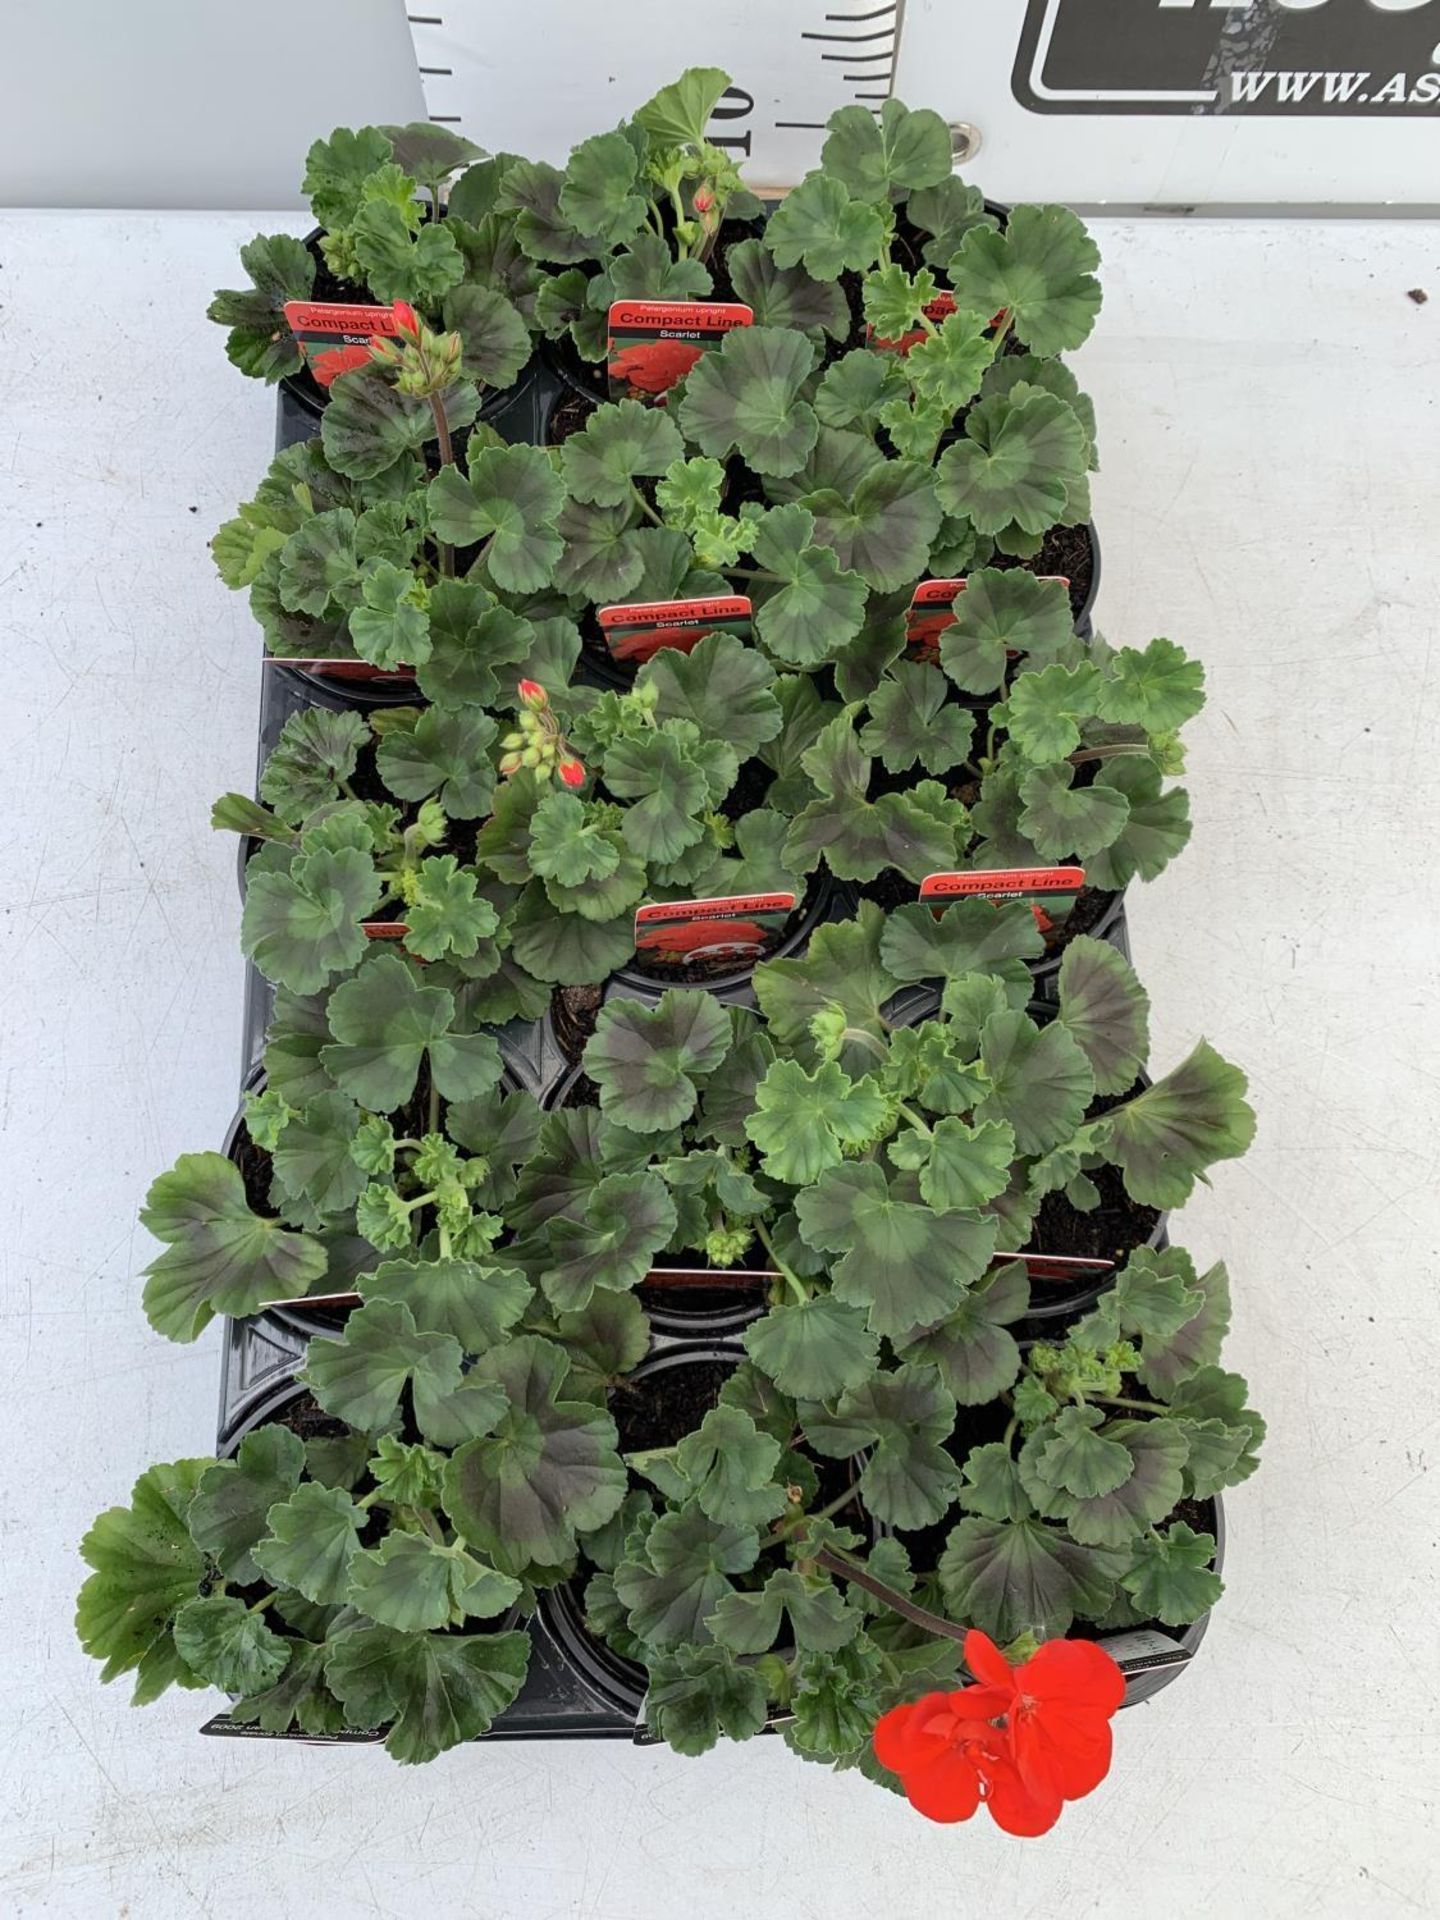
column 1023, row 1741
column 572, row 772
column 405, row 317
column 1059, row 1712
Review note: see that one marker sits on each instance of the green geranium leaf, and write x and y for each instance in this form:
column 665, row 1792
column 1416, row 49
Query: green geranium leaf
column 722, row 687
column 745, row 398
column 974, row 1351
column 970, row 936
column 1073, row 1457
column 999, row 612
column 966, row 1165
column 314, row 1164
column 599, row 194
column 301, row 926
column 992, row 1486
column 661, row 772
column 1166, row 1360
column 416, row 1585
column 821, row 224
column 884, row 529
column 437, row 1689
column 622, row 442
column 1062, row 820
column 1046, row 706
column 910, row 723
column 495, row 337
column 319, row 563
column 858, row 838
column 227, row 1515
column 907, row 1265
column 785, row 296
column 570, row 844
column 605, row 1340
column 905, row 1418
column 222, row 1641
column 444, row 754
column 813, row 1350
column 385, row 1023
column 1115, row 1516
column 336, row 171
column 855, row 390
column 317, row 752
column 673, row 1580
column 1159, row 689
column 1105, row 1008
column 818, row 605
column 145, row 1568
column 1171, row 1134
column 475, row 646
column 566, row 949
column 448, row 917
column 1021, row 454
column 1009, row 1577
column 260, row 343
column 676, row 116
column 1155, row 827
column 310, row 1542
column 1040, row 269
column 841, row 968
column 1172, row 1577
column 219, row 1256
column 818, row 1616
column 728, row 1465
column 390, row 627
column 1040, row 1080
column 547, row 1473
column 360, row 1376
column 946, row 212
column 628, row 1219
column 399, row 264
column 877, row 159
column 803, row 1122
column 509, row 498
column 698, row 1694
column 299, row 1699
column 947, row 367
column 369, row 425
column 644, row 1059
column 472, row 1301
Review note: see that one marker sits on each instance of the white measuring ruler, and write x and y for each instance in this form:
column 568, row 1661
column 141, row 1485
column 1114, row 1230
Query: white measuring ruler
column 539, row 75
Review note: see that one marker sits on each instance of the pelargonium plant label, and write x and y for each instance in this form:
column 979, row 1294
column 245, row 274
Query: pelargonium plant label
column 314, row 1300
column 221, row 1726
column 384, row 929
column 1145, row 1650
column 662, row 1277
column 344, row 669
column 639, row 629
column 651, row 344
column 1059, row 1266
column 334, row 337
column 732, row 927
column 1002, row 883
column 932, row 610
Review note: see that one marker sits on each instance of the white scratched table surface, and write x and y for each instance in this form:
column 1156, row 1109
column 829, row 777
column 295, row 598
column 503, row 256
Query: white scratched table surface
column 1271, row 447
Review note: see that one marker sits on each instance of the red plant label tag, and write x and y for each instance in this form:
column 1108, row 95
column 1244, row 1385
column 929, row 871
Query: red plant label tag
column 736, row 1277
column 932, row 610
column 333, row 338
column 1002, row 883
column 345, row 669
column 731, row 927
column 384, row 929
column 641, row 628
column 1058, row 1266
column 653, row 343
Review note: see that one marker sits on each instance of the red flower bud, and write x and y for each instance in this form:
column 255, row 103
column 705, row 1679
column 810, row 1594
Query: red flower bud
column 405, row 317
column 532, row 694
column 572, row 773
column 704, row 199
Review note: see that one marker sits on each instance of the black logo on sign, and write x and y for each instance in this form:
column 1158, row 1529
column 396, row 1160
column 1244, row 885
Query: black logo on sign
column 1204, row 56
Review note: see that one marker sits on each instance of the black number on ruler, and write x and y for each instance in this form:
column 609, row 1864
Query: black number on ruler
column 742, row 110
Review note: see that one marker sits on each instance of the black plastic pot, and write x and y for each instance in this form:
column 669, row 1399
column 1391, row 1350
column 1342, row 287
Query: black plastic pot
column 1147, row 1674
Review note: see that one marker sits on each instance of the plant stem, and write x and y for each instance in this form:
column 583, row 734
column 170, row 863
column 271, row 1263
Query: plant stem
column 265, row 1601
column 433, row 1109
column 796, row 1286
column 447, row 459
column 918, row 1616
column 909, row 1113
column 1120, row 1400
column 1103, row 753
column 645, row 506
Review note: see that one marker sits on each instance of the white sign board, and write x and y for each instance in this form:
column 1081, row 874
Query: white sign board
column 1325, row 104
